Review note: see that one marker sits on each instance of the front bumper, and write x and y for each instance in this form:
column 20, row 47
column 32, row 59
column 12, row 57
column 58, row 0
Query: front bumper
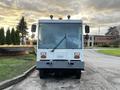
column 60, row 64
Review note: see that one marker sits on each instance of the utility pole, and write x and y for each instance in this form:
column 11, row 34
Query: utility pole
column 99, row 30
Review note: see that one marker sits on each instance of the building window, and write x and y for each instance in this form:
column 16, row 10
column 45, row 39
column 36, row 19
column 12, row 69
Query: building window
column 90, row 43
column 90, row 38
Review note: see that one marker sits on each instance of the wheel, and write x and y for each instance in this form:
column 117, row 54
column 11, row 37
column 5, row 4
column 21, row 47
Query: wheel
column 41, row 74
column 78, row 74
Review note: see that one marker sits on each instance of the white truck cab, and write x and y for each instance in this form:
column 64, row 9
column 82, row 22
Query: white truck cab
column 60, row 47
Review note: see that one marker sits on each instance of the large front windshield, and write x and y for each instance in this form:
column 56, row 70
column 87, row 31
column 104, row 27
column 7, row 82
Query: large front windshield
column 51, row 34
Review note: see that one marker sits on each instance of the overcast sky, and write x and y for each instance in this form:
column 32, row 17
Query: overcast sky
column 103, row 13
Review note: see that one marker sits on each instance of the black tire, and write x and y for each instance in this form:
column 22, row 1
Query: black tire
column 41, row 74
column 78, row 74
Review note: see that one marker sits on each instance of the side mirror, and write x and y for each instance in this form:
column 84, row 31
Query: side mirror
column 33, row 28
column 87, row 29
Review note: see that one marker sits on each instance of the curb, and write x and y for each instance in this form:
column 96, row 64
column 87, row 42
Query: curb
column 15, row 80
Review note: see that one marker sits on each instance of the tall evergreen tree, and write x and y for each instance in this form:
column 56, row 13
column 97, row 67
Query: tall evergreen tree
column 8, row 37
column 22, row 27
column 2, row 36
column 17, row 36
column 13, row 37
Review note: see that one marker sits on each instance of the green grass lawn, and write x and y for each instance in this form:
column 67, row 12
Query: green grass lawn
column 11, row 66
column 114, row 52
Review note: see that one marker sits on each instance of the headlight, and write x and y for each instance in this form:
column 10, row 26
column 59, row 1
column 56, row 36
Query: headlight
column 43, row 55
column 77, row 55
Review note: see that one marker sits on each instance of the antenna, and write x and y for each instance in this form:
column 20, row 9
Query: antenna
column 99, row 30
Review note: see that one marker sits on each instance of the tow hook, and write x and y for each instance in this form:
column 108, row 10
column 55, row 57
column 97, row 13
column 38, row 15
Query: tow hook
column 49, row 63
column 71, row 63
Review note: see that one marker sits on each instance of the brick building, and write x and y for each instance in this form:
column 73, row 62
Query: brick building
column 98, row 40
column 112, row 36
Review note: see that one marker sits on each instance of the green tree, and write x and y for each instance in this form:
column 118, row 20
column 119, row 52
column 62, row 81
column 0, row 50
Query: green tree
column 13, row 37
column 22, row 27
column 17, row 36
column 2, row 36
column 8, row 37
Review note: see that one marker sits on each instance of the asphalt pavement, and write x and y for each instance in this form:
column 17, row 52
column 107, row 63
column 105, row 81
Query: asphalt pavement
column 102, row 72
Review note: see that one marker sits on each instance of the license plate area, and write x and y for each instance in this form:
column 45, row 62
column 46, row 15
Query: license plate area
column 59, row 55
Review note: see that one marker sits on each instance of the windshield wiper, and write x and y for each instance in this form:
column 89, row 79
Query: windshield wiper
column 58, row 44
